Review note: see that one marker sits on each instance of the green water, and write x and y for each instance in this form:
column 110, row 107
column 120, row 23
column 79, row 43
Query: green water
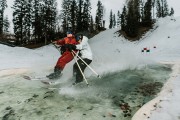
column 117, row 96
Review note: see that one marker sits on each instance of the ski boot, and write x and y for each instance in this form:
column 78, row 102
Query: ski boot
column 56, row 74
column 78, row 80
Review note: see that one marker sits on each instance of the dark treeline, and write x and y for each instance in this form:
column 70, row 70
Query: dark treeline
column 140, row 13
column 4, row 24
column 39, row 20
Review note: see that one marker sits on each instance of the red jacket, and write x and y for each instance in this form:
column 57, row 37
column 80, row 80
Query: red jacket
column 67, row 55
column 67, row 40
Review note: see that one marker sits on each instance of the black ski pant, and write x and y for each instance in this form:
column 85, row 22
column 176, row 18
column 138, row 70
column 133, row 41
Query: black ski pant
column 77, row 72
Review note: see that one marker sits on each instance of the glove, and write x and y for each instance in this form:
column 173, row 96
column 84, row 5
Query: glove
column 66, row 46
column 70, row 47
column 73, row 47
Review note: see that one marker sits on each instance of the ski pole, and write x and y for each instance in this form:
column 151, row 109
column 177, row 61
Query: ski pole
column 57, row 47
column 80, row 69
column 87, row 65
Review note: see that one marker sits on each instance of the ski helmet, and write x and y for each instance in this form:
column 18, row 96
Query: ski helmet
column 69, row 32
column 79, row 37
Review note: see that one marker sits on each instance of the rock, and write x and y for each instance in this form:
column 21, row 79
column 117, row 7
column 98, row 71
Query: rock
column 35, row 95
column 49, row 94
column 39, row 112
column 91, row 108
column 9, row 115
column 28, row 100
column 8, row 108
column 69, row 107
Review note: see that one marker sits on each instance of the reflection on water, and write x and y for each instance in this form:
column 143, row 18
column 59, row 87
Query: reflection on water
column 116, row 96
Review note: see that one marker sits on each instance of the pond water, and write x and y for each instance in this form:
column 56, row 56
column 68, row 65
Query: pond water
column 116, row 96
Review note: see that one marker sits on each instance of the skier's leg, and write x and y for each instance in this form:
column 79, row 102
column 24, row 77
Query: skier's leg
column 62, row 61
column 66, row 58
column 75, row 68
column 55, row 74
column 79, row 76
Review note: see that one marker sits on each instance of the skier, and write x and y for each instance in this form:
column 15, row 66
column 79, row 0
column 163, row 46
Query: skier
column 85, row 53
column 66, row 56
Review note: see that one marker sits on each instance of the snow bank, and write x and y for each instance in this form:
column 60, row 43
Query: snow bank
column 147, row 112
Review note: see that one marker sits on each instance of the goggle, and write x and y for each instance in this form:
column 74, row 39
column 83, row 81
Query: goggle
column 69, row 33
column 79, row 38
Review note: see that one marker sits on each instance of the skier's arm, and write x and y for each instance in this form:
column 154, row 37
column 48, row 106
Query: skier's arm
column 71, row 47
column 60, row 42
column 82, row 44
column 79, row 46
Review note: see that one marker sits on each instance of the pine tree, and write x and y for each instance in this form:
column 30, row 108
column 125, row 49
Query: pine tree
column 136, row 10
column 99, row 15
column 6, row 25
column 49, row 19
column 162, row 8
column 80, row 15
column 91, row 27
column 123, row 19
column 66, row 15
column 141, row 4
column 132, row 21
column 86, row 15
column 147, row 20
column 153, row 5
column 27, row 20
column 73, row 15
column 118, row 18
column 36, row 20
column 22, row 20
column 3, row 6
column 171, row 12
column 18, row 20
column 111, row 20
column 165, row 8
column 158, row 8
column 114, row 21
column 33, row 18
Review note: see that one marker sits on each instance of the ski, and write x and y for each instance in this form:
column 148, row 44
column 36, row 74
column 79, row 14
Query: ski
column 43, row 80
column 35, row 78
column 39, row 78
column 47, row 82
